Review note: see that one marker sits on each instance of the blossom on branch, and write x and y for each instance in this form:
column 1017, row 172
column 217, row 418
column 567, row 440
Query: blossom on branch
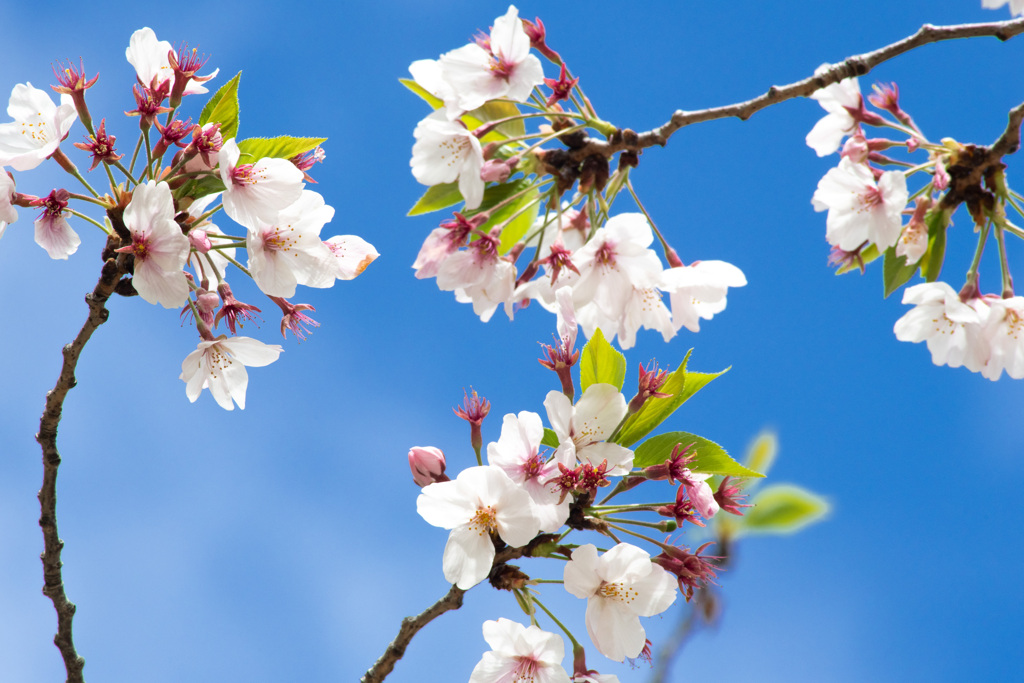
column 837, row 99
column 951, row 328
column 520, row 653
column 444, row 152
column 159, row 247
column 38, row 127
column 860, row 210
column 219, row 365
column 583, row 428
column 257, row 191
column 699, row 290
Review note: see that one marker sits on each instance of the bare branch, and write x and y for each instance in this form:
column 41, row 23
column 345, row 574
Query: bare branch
column 858, row 65
column 53, row 583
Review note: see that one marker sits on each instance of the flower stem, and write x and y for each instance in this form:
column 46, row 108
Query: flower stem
column 575, row 643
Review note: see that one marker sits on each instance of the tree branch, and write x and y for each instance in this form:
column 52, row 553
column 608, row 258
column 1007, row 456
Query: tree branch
column 53, row 584
column 858, row 65
column 410, row 627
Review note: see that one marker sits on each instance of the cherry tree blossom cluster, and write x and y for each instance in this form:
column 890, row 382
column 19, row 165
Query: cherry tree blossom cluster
column 159, row 218
column 866, row 205
column 536, row 211
column 540, row 487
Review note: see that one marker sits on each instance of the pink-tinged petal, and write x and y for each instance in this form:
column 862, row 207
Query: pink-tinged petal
column 624, row 562
column 598, row 413
column 468, row 556
column 444, row 504
column 158, row 286
column 655, row 592
column 352, row 255
column 620, row 458
column 616, row 633
column 55, row 235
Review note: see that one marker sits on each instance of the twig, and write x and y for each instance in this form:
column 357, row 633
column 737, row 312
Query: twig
column 858, row 65
column 53, row 583
column 410, row 627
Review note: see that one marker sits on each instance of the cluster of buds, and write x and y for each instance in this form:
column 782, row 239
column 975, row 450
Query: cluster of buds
column 475, row 147
column 158, row 220
column 866, row 205
column 527, row 500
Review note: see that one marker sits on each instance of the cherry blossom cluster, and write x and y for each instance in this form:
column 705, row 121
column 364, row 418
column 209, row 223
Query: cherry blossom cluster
column 159, row 219
column 545, row 206
column 866, row 205
column 527, row 501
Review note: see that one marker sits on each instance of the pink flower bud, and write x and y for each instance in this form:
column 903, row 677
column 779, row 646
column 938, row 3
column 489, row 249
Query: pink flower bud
column 495, row 170
column 856, row 149
column 199, row 240
column 427, row 465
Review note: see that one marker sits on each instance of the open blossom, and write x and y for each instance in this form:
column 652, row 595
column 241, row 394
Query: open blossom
column 1016, row 6
column 444, row 152
column 52, row 231
column 38, row 127
column 352, row 254
column 505, row 68
column 287, row 251
column 149, row 56
column 520, row 654
column 517, row 452
column 219, row 366
column 583, row 428
column 620, row 587
column 481, row 501
column 257, row 191
column 159, row 247
column 698, row 290
column 479, row 276
column 828, row 132
column 860, row 210
column 1004, row 330
column 952, row 328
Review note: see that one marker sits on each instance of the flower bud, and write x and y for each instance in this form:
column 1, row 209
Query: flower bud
column 427, row 465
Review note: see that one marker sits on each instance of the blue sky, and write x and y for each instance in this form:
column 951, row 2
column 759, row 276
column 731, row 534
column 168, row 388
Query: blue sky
column 281, row 542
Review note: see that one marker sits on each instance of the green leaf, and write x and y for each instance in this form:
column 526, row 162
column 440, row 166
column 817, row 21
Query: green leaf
column 895, row 271
column 931, row 263
column 222, row 108
column 761, row 453
column 867, row 256
column 783, row 509
column 281, row 147
column 681, row 385
column 493, row 111
column 202, row 186
column 437, row 197
column 550, row 438
column 601, row 363
column 711, row 458
column 517, row 227
column 416, row 88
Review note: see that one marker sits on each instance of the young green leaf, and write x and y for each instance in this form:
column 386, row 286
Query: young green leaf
column 761, row 453
column 418, row 89
column 931, row 263
column 222, row 108
column 895, row 271
column 282, row 147
column 550, row 438
column 601, row 363
column 869, row 254
column 437, row 197
column 710, row 457
column 783, row 509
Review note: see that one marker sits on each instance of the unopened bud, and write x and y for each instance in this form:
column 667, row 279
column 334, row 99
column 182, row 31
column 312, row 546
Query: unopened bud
column 427, row 464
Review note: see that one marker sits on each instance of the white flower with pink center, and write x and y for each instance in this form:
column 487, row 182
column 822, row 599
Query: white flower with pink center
column 479, row 276
column 257, row 191
column 288, row 251
column 149, row 57
column 352, row 254
column 444, row 152
column 859, row 210
column 913, row 242
column 520, row 654
column 159, row 247
column 828, row 133
column 616, row 260
column 699, row 290
column 952, row 328
column 1004, row 330
column 219, row 366
column 38, row 127
column 583, row 428
column 477, row 75
column 480, row 502
column 52, row 231
column 517, row 453
column 620, row 587
column 201, row 235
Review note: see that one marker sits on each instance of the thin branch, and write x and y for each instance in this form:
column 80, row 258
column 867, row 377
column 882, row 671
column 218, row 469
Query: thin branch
column 53, row 583
column 410, row 627
column 858, row 65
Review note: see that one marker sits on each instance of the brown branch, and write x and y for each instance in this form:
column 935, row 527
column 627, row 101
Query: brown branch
column 53, row 584
column 410, row 627
column 858, row 65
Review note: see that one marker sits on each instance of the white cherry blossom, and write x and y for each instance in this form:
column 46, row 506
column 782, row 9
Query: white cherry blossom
column 257, row 191
column 620, row 587
column 479, row 502
column 699, row 290
column 479, row 276
column 517, row 453
column 828, row 133
column 38, row 127
column 1004, row 330
column 952, row 328
column 352, row 255
column 860, row 210
column 520, row 654
column 583, row 428
column 288, row 251
column 444, row 152
column 159, row 247
column 54, row 234
column 219, row 366
column 476, row 76
column 149, row 57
